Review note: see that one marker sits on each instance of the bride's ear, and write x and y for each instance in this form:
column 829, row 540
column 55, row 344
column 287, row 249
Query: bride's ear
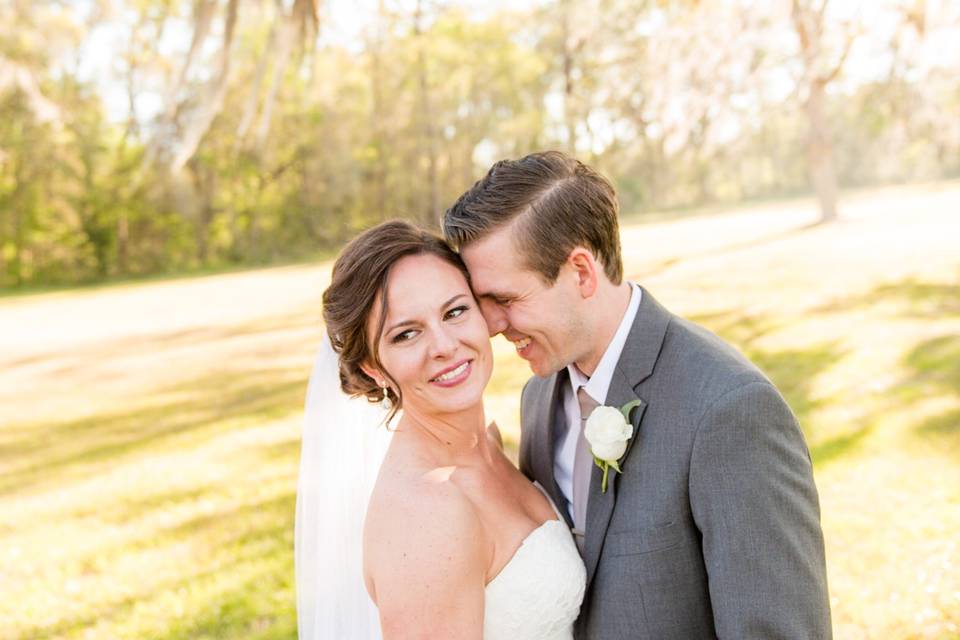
column 585, row 268
column 373, row 372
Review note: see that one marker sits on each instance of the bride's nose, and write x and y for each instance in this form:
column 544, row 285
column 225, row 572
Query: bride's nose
column 443, row 343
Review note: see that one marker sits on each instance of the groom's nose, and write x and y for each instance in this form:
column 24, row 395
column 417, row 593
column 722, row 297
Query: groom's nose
column 495, row 317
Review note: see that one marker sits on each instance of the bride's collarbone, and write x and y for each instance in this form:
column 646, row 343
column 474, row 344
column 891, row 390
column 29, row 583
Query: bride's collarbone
column 497, row 494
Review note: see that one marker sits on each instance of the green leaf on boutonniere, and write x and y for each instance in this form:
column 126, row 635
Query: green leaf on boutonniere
column 608, row 430
column 627, row 408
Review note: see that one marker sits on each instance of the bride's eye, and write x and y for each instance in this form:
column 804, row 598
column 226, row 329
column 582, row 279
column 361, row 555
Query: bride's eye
column 456, row 312
column 403, row 336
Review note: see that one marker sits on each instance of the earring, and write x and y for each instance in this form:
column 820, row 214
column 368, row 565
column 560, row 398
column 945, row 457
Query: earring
column 386, row 403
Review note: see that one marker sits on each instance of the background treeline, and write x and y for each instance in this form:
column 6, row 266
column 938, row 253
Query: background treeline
column 148, row 136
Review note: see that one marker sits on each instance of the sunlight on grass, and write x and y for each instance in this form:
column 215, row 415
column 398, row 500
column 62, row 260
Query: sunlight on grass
column 148, row 458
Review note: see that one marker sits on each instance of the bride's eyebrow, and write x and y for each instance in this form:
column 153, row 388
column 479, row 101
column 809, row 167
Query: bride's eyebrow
column 404, row 323
column 453, row 299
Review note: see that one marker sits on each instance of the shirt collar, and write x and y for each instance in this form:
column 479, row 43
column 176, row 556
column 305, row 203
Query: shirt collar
column 598, row 384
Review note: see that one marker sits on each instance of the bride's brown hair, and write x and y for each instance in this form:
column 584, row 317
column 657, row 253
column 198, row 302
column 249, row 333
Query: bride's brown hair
column 359, row 276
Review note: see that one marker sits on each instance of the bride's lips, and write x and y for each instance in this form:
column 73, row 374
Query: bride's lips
column 453, row 375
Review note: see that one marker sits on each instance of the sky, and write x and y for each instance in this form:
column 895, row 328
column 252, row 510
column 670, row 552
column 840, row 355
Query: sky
column 343, row 24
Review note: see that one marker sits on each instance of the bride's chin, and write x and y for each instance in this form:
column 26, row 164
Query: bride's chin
column 467, row 402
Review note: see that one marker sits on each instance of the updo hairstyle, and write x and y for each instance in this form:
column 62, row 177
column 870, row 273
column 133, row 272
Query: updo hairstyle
column 359, row 275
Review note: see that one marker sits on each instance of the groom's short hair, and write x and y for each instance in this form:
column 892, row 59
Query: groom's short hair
column 558, row 202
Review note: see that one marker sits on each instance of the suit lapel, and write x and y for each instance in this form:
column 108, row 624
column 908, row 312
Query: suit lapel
column 545, row 416
column 600, row 505
column 636, row 363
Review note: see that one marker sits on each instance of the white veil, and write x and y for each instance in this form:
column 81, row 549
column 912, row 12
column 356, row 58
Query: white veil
column 344, row 441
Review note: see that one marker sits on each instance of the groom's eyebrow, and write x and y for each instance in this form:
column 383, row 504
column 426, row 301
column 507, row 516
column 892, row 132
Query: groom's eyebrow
column 493, row 295
column 485, row 293
column 404, row 323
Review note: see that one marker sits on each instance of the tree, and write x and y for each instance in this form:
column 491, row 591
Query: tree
column 820, row 67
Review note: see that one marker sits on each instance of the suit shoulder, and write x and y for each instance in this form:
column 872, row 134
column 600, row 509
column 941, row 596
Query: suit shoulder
column 702, row 367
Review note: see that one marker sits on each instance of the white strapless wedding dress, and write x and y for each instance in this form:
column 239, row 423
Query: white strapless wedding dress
column 537, row 595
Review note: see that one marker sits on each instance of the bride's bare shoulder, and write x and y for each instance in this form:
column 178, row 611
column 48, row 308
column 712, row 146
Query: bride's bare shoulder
column 413, row 500
column 422, row 537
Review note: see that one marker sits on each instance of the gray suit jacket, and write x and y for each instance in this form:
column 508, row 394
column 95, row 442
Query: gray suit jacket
column 713, row 528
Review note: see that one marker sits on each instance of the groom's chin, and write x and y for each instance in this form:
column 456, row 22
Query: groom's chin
column 542, row 369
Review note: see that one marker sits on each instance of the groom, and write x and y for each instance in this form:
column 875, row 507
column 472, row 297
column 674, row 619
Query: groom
column 712, row 526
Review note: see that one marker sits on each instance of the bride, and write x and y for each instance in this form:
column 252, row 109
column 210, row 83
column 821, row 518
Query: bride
column 456, row 542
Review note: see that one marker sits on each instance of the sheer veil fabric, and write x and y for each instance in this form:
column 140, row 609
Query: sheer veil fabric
column 343, row 444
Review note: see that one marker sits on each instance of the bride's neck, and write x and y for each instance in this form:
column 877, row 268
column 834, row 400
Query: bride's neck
column 452, row 436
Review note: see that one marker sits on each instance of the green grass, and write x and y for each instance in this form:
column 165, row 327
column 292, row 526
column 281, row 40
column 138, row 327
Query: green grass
column 148, row 473
column 187, row 273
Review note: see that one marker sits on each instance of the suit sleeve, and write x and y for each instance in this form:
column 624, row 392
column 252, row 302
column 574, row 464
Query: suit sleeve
column 755, row 503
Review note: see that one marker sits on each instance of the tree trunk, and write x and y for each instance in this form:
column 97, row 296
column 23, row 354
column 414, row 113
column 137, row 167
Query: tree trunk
column 19, row 234
column 123, row 242
column 18, row 207
column 203, row 11
column 808, row 22
column 432, row 214
column 376, row 117
column 3, row 253
column 204, row 185
column 211, row 104
column 568, row 62
column 288, row 30
column 820, row 154
column 284, row 48
column 250, row 109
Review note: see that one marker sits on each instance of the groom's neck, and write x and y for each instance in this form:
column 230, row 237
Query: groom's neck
column 605, row 312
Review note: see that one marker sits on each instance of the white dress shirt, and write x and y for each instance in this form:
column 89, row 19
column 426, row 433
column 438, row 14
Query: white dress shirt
column 597, row 386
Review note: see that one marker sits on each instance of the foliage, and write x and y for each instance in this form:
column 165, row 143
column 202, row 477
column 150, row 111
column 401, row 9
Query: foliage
column 155, row 136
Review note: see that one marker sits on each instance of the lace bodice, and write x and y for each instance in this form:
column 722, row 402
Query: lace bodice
column 537, row 595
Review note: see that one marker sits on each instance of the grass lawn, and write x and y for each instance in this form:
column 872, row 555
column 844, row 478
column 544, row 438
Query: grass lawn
column 149, row 433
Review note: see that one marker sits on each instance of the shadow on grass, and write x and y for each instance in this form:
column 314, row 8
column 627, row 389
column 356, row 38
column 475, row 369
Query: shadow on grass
column 910, row 297
column 184, row 415
column 78, row 358
column 936, row 365
column 838, row 447
column 936, row 372
column 944, row 425
column 246, row 612
column 316, row 258
column 792, row 371
column 241, row 585
column 737, row 328
column 727, row 249
column 123, row 510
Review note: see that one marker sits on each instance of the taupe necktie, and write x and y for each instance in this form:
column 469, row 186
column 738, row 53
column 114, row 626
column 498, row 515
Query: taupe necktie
column 582, row 465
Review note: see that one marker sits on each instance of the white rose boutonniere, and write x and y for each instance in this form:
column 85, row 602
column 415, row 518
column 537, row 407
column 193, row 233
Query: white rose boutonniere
column 608, row 430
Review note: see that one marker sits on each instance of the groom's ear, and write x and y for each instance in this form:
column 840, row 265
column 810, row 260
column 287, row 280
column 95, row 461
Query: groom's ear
column 585, row 269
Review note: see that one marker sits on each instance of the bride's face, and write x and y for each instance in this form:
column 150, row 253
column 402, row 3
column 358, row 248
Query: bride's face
column 435, row 342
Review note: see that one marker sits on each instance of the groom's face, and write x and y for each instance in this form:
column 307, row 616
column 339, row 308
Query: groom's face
column 541, row 320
